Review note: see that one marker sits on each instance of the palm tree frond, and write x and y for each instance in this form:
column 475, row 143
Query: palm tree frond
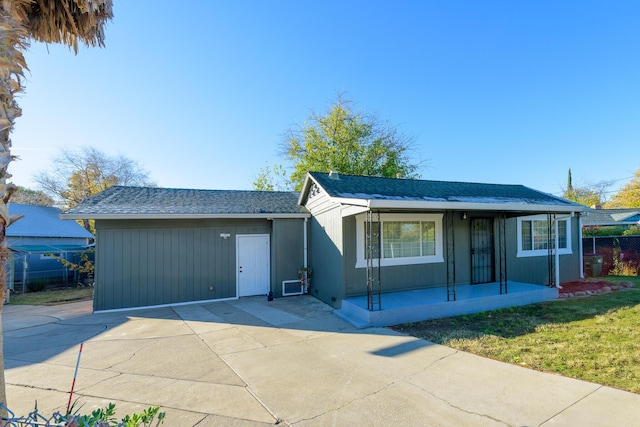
column 68, row 21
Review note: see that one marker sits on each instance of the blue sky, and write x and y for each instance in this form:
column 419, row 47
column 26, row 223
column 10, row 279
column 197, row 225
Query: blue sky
column 200, row 92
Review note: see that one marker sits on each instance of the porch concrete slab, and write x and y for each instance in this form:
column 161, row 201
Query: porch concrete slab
column 221, row 365
column 414, row 306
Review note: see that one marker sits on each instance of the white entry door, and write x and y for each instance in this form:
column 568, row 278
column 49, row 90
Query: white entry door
column 253, row 264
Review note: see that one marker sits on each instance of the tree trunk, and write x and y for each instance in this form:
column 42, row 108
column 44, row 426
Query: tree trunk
column 14, row 38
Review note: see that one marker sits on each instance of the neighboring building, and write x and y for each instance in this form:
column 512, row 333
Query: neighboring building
column 157, row 246
column 36, row 237
column 623, row 218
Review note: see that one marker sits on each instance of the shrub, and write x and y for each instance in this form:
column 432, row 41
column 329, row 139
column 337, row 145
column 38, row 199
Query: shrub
column 98, row 418
column 37, row 285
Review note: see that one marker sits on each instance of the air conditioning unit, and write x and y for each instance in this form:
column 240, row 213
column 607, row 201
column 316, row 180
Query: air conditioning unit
column 292, row 287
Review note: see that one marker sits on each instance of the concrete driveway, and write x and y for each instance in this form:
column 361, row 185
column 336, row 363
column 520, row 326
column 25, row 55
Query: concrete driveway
column 250, row 362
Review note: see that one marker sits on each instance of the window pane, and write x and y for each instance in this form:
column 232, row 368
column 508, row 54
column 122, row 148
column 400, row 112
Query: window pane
column 526, row 236
column 401, row 239
column 540, row 233
column 428, row 238
column 562, row 234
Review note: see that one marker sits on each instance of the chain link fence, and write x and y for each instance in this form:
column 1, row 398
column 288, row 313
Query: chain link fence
column 620, row 254
column 33, row 419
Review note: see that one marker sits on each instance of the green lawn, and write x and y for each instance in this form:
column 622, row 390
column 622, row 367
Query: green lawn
column 52, row 297
column 595, row 338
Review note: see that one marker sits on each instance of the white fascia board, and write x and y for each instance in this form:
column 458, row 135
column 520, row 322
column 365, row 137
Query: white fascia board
column 186, row 216
column 350, row 210
column 353, row 202
column 520, row 207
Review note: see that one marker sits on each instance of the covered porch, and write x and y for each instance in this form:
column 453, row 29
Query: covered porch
column 424, row 304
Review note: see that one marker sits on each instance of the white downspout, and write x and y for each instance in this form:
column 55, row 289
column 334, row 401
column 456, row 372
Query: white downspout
column 304, row 234
column 557, row 254
column 305, row 253
column 581, row 251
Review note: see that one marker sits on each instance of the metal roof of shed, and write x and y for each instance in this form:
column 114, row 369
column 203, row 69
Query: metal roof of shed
column 43, row 221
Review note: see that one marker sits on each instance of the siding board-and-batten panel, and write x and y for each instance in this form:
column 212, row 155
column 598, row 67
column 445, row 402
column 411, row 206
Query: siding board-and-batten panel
column 165, row 262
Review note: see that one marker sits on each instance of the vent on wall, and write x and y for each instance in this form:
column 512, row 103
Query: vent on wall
column 292, row 287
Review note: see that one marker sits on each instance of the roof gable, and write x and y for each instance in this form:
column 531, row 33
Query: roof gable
column 153, row 202
column 406, row 192
column 43, row 221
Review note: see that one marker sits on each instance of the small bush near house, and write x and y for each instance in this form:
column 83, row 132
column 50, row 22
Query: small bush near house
column 37, row 285
column 604, row 231
column 634, row 230
column 98, row 418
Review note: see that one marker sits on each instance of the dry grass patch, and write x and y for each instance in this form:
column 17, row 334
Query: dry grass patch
column 52, row 297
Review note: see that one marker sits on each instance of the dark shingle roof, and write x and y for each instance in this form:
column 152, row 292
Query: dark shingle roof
column 376, row 188
column 612, row 216
column 160, row 202
column 42, row 221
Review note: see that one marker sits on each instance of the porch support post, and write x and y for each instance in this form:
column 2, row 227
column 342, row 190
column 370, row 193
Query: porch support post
column 451, row 255
column 502, row 250
column 557, row 252
column 581, row 246
column 551, row 241
column 373, row 252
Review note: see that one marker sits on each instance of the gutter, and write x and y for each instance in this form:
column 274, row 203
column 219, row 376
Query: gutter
column 184, row 216
column 443, row 205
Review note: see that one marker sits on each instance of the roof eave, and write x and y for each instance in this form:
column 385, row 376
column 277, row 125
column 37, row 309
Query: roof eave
column 187, row 216
column 513, row 207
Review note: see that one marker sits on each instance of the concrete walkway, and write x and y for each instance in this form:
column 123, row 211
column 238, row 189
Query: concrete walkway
column 251, row 362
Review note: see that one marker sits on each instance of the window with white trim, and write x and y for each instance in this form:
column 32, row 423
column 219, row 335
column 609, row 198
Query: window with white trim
column 406, row 239
column 533, row 236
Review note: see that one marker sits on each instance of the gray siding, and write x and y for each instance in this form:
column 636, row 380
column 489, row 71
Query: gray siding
column 393, row 278
column 326, row 261
column 143, row 263
column 287, row 251
column 535, row 269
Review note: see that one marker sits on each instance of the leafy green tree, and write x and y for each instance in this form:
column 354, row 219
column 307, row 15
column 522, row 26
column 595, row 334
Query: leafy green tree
column 349, row 142
column 272, row 178
column 28, row 196
column 628, row 196
column 587, row 194
column 88, row 171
